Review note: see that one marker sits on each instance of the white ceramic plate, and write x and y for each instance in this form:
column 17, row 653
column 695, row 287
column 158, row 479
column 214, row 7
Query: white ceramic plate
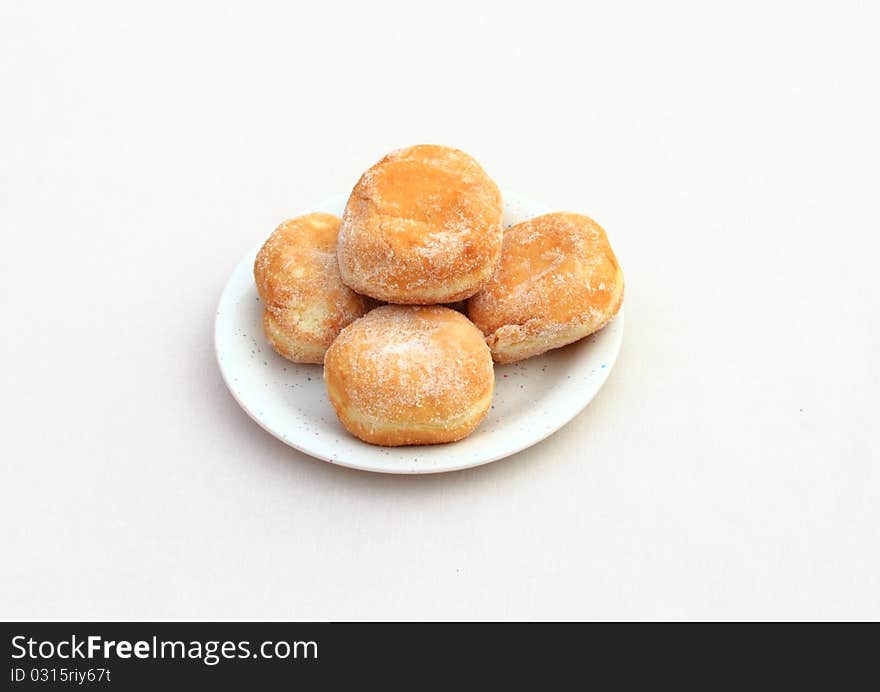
column 533, row 398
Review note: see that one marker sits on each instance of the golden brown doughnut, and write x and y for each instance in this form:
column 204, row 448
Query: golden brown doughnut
column 558, row 281
column 306, row 303
column 406, row 375
column 422, row 226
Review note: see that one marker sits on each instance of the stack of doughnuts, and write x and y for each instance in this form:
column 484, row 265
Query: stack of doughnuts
column 422, row 228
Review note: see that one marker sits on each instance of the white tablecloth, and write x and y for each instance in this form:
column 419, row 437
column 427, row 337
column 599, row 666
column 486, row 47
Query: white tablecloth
column 729, row 468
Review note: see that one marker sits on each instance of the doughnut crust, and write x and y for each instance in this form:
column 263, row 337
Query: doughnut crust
column 558, row 282
column 405, row 375
column 306, row 303
column 422, row 226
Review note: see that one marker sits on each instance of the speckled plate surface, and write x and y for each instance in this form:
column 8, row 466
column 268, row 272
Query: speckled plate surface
column 533, row 398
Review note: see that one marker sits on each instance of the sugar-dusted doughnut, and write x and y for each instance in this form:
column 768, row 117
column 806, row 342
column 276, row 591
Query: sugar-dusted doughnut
column 558, row 281
column 408, row 375
column 422, row 226
column 306, row 303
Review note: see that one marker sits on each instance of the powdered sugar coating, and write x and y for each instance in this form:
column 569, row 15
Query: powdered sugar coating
column 297, row 277
column 422, row 226
column 410, row 375
column 557, row 282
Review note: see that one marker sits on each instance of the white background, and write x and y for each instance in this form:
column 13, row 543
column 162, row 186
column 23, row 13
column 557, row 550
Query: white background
column 729, row 468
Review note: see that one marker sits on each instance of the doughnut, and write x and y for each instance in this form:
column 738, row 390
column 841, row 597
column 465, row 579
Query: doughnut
column 410, row 375
column 422, row 226
column 306, row 303
column 558, row 282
